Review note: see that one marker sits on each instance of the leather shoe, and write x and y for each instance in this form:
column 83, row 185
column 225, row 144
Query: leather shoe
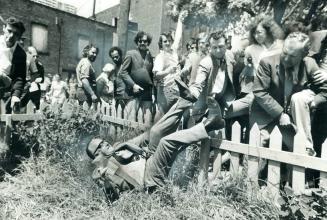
column 214, row 122
column 184, row 91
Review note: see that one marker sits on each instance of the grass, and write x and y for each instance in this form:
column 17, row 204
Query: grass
column 60, row 187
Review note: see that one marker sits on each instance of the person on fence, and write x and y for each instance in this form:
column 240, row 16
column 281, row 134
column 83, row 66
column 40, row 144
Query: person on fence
column 12, row 64
column 166, row 66
column 86, row 76
column 35, row 76
column 105, row 83
column 284, row 92
column 136, row 71
column 120, row 93
column 58, row 91
column 214, row 77
column 128, row 165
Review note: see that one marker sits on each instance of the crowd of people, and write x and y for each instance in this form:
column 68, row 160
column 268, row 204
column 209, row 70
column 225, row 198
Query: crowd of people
column 278, row 77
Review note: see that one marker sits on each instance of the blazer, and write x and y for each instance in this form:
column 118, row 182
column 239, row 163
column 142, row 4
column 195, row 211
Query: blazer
column 216, row 77
column 18, row 72
column 268, row 88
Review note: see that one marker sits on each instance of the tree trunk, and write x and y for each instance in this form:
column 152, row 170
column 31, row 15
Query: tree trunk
column 122, row 26
column 312, row 11
column 279, row 10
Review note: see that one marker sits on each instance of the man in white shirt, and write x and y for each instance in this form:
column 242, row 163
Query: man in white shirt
column 12, row 64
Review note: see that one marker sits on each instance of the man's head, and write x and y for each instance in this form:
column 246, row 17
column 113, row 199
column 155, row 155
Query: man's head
column 142, row 40
column 203, row 43
column 91, row 52
column 192, row 45
column 116, row 54
column 296, row 47
column 217, row 44
column 13, row 31
column 32, row 52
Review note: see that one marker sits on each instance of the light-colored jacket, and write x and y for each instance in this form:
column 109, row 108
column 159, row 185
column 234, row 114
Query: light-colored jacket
column 214, row 76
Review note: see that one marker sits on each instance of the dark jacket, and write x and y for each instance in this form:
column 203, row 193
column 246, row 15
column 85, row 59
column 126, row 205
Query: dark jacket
column 18, row 72
column 136, row 70
column 268, row 88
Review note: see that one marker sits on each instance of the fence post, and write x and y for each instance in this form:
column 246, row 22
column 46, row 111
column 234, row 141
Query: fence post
column 30, row 108
column 204, row 162
column 8, row 129
column 147, row 117
column 119, row 114
column 299, row 172
column 236, row 137
column 2, row 107
column 253, row 162
column 323, row 176
column 129, row 111
column 275, row 143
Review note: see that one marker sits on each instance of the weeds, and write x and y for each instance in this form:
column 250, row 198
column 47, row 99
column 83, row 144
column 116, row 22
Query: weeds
column 57, row 184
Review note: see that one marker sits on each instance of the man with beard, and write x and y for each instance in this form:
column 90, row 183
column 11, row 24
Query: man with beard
column 12, row 64
column 136, row 71
column 120, row 94
column 86, row 77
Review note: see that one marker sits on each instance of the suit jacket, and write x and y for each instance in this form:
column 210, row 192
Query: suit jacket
column 17, row 74
column 216, row 77
column 137, row 70
column 268, row 88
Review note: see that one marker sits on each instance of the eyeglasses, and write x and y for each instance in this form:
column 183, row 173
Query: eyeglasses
column 143, row 41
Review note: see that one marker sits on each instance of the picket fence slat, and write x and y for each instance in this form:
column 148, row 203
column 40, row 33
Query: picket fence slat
column 2, row 107
column 323, row 175
column 274, row 166
column 30, row 108
column 253, row 166
column 236, row 137
column 119, row 115
column 298, row 171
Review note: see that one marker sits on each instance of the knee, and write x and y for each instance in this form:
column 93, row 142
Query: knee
column 299, row 98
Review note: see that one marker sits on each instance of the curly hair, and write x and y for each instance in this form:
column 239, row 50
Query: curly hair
column 120, row 52
column 169, row 37
column 87, row 48
column 140, row 35
column 269, row 24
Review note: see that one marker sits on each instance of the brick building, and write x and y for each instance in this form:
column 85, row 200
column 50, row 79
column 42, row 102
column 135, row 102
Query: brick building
column 59, row 36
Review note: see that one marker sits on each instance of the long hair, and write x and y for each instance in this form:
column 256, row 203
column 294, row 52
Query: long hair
column 87, row 48
column 167, row 35
column 269, row 24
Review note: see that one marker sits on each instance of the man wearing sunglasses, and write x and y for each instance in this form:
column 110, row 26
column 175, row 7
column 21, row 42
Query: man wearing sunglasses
column 136, row 72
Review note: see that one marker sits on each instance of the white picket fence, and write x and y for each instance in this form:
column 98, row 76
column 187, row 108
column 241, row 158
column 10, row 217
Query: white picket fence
column 252, row 151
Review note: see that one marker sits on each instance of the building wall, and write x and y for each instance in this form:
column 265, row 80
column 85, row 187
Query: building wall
column 72, row 28
column 150, row 17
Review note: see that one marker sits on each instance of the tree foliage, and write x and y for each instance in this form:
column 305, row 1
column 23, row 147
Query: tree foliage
column 222, row 13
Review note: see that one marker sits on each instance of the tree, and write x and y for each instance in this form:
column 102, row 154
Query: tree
column 224, row 13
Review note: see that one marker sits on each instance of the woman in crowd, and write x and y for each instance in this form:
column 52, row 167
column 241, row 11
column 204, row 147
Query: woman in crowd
column 266, row 38
column 86, row 77
column 166, row 67
column 105, row 83
column 58, row 91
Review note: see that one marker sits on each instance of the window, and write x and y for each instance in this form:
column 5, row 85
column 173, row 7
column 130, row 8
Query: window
column 82, row 42
column 40, row 37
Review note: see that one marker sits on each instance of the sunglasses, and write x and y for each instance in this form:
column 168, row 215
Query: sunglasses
column 143, row 41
